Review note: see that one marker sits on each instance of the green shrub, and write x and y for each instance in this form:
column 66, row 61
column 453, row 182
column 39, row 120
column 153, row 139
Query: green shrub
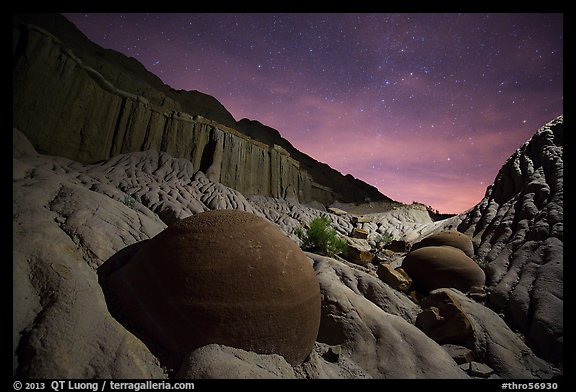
column 321, row 238
column 384, row 239
column 129, row 201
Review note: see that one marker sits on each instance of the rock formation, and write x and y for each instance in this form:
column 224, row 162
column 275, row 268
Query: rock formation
column 433, row 267
column 451, row 238
column 498, row 346
column 373, row 324
column 518, row 232
column 130, row 158
column 443, row 318
column 91, row 104
column 223, row 362
column 396, row 278
column 75, row 224
column 227, row 277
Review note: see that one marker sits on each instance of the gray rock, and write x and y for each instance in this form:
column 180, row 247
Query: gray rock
column 460, row 354
column 21, row 146
column 69, row 218
column 384, row 344
column 223, row 362
column 480, row 370
column 518, row 232
column 499, row 347
column 62, row 232
column 316, row 367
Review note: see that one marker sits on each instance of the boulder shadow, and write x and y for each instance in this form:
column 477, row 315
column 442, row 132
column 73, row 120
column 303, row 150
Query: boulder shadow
column 111, row 267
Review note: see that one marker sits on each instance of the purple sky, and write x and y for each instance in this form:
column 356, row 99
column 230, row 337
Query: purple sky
column 426, row 107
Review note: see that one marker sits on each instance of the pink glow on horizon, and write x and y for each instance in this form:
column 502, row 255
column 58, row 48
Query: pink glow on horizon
column 426, row 107
column 404, row 165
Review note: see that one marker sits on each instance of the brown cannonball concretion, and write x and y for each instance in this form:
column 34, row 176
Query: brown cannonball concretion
column 435, row 267
column 448, row 238
column 226, row 277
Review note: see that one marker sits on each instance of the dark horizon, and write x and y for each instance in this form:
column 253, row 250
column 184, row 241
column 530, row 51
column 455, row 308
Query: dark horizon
column 426, row 107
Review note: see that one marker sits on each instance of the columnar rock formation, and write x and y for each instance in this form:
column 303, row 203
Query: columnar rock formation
column 90, row 104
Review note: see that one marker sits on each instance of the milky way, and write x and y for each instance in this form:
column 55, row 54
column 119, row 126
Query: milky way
column 426, row 107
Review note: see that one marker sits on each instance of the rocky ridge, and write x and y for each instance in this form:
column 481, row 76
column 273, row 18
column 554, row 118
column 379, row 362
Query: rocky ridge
column 517, row 230
column 91, row 104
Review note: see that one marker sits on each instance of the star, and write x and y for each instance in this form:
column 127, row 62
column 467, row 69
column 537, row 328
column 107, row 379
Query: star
column 407, row 88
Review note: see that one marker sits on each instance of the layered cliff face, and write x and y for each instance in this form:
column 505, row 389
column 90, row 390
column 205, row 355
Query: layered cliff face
column 518, row 232
column 90, row 104
column 325, row 178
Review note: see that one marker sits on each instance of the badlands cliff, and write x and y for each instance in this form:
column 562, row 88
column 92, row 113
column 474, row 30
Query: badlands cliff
column 90, row 104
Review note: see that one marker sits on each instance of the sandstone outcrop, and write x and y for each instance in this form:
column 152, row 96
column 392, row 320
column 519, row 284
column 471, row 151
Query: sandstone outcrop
column 360, row 233
column 394, row 277
column 358, row 251
column 62, row 231
column 222, row 362
column 373, row 325
column 443, row 319
column 226, row 277
column 496, row 345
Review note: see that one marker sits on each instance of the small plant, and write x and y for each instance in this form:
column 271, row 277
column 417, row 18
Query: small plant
column 384, row 239
column 481, row 262
column 321, row 238
column 129, row 201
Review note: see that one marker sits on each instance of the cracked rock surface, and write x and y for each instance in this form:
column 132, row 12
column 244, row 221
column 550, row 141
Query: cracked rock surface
column 70, row 218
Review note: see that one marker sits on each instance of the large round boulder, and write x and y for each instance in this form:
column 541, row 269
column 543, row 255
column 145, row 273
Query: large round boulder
column 435, row 267
column 226, row 277
column 451, row 238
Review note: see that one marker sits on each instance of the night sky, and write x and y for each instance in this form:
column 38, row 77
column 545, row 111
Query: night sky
column 426, row 107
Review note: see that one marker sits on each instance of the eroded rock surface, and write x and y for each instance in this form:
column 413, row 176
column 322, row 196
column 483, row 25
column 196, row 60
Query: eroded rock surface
column 373, row 324
column 518, row 232
column 498, row 346
column 69, row 218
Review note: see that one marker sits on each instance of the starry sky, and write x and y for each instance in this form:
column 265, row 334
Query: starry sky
column 426, row 107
